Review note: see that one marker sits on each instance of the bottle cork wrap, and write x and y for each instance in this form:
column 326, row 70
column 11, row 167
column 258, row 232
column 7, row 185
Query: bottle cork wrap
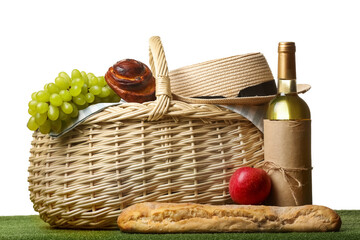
column 287, row 156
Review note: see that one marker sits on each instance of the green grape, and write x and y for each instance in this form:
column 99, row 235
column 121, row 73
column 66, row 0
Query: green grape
column 45, row 127
column 65, row 95
column 90, row 75
column 32, row 104
column 96, row 90
column 42, row 107
column 106, row 99
column 62, row 83
column 75, row 74
column 42, row 96
column 89, row 97
column 60, row 101
column 105, row 92
column 32, row 125
column 75, row 90
column 112, row 93
column 53, row 113
column 56, row 125
column 81, row 107
column 65, row 123
column 108, row 87
column 115, row 98
column 97, row 100
column 66, row 108
column 77, row 81
column 33, row 95
column 62, row 115
column 93, row 81
column 79, row 100
column 65, row 75
column 55, row 99
column 31, row 112
column 102, row 81
column 40, row 118
column 85, row 77
column 75, row 111
column 52, row 88
column 84, row 89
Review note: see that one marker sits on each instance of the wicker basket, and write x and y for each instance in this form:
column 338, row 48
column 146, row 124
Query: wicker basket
column 166, row 151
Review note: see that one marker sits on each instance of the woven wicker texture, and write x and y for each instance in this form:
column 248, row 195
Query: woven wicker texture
column 118, row 157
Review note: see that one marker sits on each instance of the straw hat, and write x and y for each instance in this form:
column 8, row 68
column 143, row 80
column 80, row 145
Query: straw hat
column 243, row 79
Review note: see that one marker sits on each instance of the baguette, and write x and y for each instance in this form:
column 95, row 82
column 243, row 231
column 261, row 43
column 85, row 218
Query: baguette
column 153, row 217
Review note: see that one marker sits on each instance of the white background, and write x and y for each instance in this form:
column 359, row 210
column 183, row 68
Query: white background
column 38, row 39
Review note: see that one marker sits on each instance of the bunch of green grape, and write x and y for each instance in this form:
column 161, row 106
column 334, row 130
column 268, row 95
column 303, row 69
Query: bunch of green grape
column 53, row 108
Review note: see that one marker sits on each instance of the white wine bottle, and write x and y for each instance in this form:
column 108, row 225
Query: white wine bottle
column 287, row 105
column 287, row 137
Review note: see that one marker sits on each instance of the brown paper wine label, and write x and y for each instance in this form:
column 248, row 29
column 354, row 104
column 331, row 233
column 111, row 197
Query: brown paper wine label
column 287, row 152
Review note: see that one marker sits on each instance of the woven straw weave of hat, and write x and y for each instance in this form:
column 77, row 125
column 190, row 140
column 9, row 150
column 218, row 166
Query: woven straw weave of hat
column 221, row 77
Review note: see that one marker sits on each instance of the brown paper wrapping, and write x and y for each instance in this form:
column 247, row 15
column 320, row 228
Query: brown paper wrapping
column 288, row 152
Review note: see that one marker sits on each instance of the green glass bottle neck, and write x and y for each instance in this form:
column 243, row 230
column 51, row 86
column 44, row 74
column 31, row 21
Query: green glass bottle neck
column 286, row 86
column 286, row 69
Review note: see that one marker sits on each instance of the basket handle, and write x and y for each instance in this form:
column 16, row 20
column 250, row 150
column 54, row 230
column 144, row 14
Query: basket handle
column 160, row 71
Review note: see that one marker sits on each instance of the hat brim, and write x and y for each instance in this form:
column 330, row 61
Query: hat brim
column 255, row 100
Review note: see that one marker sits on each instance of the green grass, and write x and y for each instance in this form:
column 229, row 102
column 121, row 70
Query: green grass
column 32, row 227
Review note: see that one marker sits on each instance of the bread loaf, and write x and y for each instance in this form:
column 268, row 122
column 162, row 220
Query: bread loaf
column 152, row 217
column 132, row 81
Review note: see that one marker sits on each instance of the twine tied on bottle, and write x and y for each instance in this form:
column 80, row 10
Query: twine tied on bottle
column 286, row 174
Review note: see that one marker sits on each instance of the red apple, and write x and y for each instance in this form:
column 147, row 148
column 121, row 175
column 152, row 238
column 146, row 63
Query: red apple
column 249, row 186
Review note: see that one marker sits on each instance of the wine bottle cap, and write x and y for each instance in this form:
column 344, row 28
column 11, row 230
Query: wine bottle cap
column 286, row 62
column 288, row 47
